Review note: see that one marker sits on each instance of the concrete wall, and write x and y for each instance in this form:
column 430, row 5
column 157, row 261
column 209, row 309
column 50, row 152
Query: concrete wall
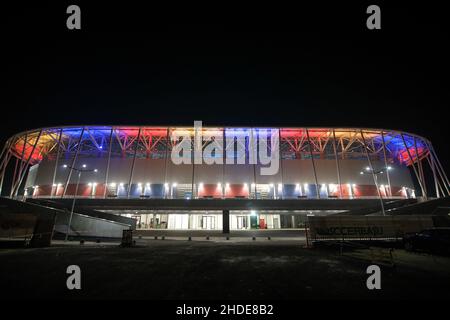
column 82, row 225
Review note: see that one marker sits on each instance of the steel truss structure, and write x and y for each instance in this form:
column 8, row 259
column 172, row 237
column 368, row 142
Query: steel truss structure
column 26, row 149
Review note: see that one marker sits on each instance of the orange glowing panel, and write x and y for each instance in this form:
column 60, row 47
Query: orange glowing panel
column 236, row 191
column 210, row 191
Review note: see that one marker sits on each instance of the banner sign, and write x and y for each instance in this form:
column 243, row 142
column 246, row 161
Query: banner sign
column 366, row 227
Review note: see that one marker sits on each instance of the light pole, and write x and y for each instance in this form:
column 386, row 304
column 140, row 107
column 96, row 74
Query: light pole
column 76, row 192
column 375, row 174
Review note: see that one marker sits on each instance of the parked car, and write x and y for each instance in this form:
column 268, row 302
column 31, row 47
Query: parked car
column 434, row 240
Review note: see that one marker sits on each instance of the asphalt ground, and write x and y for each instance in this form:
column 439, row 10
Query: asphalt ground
column 260, row 269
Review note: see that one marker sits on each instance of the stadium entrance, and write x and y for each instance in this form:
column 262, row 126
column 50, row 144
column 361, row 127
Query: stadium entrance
column 213, row 219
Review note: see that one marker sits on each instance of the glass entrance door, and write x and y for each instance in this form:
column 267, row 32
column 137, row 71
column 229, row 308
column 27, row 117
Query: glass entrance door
column 242, row 222
column 208, row 222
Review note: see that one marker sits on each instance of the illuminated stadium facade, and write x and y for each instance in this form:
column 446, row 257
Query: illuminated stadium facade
column 142, row 172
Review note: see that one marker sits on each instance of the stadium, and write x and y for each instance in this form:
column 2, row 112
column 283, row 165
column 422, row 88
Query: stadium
column 141, row 174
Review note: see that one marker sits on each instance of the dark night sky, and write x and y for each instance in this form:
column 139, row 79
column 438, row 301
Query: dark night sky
column 229, row 65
